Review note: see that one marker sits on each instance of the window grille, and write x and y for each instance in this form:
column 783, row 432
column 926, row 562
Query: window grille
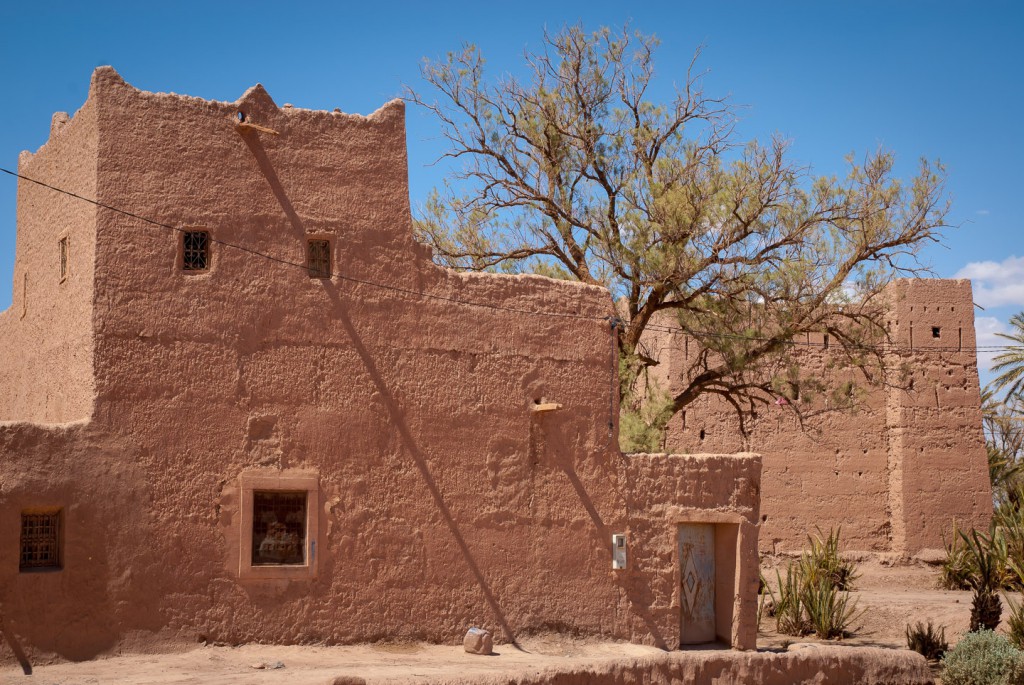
column 195, row 252
column 40, row 541
column 278, row 528
column 63, row 245
column 318, row 258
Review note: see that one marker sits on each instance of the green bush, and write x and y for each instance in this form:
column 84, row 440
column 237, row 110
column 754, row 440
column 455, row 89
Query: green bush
column 822, row 562
column 789, row 605
column 830, row 611
column 1015, row 623
column 813, row 597
column 983, row 658
column 958, row 567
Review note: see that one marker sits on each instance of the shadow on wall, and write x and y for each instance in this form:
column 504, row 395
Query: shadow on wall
column 252, row 140
column 633, row 593
column 556, row 444
column 398, row 422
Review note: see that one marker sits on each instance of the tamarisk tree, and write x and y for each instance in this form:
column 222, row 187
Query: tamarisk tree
column 574, row 172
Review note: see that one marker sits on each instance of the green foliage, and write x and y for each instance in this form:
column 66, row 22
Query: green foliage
column 822, row 563
column 571, row 170
column 831, row 613
column 813, row 597
column 1003, row 422
column 1015, row 623
column 645, row 412
column 983, row 658
column 789, row 604
column 927, row 641
column 988, row 556
column 1010, row 364
column 958, row 566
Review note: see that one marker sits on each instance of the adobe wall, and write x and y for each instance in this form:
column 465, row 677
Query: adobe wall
column 940, row 466
column 894, row 472
column 444, row 500
column 46, row 333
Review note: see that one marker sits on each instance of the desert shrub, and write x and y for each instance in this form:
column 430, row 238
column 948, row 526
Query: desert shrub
column 989, row 558
column 830, row 612
column 789, row 604
column 958, row 567
column 983, row 658
column 1015, row 624
column 822, row 561
column 927, row 641
column 813, row 597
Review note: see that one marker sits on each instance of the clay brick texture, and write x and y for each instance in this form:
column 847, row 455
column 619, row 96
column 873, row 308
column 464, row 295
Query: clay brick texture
column 152, row 404
column 894, row 473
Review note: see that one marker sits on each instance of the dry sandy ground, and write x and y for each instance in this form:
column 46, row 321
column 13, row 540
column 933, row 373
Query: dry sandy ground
column 891, row 595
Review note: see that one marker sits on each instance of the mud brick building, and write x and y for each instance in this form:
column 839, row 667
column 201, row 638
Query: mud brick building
column 896, row 472
column 322, row 437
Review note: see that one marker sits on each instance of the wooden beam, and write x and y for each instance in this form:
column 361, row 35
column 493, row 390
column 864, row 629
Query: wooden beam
column 246, row 126
column 546, row 406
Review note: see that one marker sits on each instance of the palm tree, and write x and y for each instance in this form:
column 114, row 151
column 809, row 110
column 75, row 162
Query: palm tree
column 1010, row 364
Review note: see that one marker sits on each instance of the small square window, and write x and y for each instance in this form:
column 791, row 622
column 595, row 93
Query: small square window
column 195, row 250
column 318, row 258
column 278, row 528
column 40, row 540
column 63, row 247
column 936, row 332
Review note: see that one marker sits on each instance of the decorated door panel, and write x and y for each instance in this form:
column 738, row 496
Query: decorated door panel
column 697, row 579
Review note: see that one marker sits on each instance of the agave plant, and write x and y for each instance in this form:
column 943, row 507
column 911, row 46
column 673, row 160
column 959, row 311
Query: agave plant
column 789, row 605
column 822, row 562
column 989, row 557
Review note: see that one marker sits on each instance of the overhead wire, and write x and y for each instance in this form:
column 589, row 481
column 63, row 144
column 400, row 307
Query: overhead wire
column 615, row 321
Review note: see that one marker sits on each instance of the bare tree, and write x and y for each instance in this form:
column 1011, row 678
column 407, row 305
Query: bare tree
column 573, row 172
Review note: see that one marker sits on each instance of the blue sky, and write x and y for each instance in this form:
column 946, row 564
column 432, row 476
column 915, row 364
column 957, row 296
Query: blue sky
column 933, row 79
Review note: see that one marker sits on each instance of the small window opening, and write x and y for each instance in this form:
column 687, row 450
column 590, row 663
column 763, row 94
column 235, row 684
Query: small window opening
column 240, row 116
column 63, row 246
column 318, row 258
column 701, row 433
column 826, row 341
column 40, row 540
column 195, row 252
column 278, row 528
column 936, row 331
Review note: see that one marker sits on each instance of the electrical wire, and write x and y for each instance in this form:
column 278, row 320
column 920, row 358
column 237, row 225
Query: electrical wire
column 881, row 347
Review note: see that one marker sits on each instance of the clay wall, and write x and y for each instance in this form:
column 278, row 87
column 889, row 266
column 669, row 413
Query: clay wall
column 940, row 467
column 46, row 333
column 442, row 500
column 894, row 472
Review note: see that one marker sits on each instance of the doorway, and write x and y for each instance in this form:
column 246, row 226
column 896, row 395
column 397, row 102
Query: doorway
column 697, row 583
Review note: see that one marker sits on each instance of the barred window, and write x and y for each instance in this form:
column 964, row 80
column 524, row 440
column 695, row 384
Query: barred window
column 40, row 540
column 278, row 528
column 63, row 246
column 318, row 258
column 195, row 250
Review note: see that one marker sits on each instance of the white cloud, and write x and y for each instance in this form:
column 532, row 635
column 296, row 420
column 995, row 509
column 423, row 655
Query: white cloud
column 985, row 329
column 983, row 212
column 996, row 284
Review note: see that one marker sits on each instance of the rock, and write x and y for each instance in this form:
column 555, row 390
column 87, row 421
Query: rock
column 346, row 680
column 269, row 665
column 478, row 641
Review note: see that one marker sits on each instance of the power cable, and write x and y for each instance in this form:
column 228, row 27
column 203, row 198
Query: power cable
column 883, row 347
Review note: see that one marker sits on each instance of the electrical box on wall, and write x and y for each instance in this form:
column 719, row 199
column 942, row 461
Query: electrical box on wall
column 619, row 551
